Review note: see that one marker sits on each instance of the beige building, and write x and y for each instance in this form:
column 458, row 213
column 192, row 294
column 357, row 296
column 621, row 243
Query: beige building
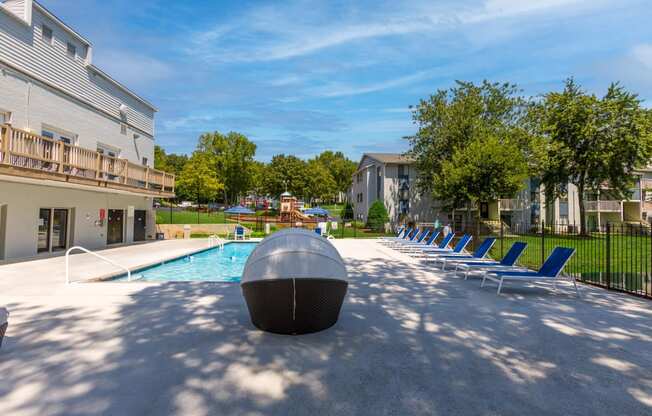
column 529, row 207
column 76, row 146
column 389, row 177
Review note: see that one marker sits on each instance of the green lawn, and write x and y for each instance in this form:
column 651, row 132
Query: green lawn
column 335, row 210
column 350, row 232
column 631, row 256
column 164, row 216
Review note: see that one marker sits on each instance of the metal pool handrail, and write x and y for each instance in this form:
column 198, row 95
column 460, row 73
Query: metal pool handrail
column 215, row 240
column 96, row 255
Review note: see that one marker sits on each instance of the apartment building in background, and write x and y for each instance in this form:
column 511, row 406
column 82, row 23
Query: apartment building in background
column 76, row 146
column 391, row 177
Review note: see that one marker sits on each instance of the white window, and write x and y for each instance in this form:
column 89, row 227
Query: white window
column 108, row 150
column 72, row 50
column 123, row 128
column 5, row 117
column 59, row 134
column 46, row 35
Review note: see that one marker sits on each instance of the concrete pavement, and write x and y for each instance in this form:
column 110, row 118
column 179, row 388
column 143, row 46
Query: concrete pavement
column 409, row 341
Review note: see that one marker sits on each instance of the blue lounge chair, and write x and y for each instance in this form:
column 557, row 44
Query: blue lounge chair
column 431, row 256
column 478, row 254
column 416, row 232
column 418, row 239
column 425, row 243
column 549, row 271
column 389, row 240
column 419, row 251
column 482, row 266
column 399, row 234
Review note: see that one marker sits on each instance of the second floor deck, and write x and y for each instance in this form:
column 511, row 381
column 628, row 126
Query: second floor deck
column 29, row 155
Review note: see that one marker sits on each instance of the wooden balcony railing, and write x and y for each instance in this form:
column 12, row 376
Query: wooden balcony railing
column 511, row 204
column 22, row 153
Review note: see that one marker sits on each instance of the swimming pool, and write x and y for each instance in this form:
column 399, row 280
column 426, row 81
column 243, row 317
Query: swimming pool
column 212, row 265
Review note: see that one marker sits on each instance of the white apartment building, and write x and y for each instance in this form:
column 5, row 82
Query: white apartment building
column 602, row 207
column 389, row 177
column 76, row 146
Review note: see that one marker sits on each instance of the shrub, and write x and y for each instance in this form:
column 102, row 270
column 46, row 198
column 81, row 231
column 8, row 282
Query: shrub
column 377, row 216
column 347, row 212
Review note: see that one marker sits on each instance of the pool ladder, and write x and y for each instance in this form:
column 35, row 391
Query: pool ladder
column 214, row 240
column 85, row 250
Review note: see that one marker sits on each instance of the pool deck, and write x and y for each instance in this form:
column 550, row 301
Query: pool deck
column 410, row 341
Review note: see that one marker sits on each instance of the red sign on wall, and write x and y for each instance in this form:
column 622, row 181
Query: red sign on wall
column 102, row 214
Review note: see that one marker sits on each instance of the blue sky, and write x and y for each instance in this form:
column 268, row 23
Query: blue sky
column 300, row 77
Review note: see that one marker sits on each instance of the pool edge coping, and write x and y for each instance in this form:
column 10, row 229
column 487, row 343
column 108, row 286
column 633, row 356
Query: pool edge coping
column 110, row 277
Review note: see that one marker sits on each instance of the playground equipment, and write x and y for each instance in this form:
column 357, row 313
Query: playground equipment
column 290, row 209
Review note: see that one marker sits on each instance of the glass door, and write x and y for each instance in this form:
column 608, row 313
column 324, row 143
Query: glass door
column 44, row 217
column 115, row 226
column 59, row 229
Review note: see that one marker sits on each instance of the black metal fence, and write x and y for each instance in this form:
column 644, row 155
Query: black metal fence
column 616, row 256
column 261, row 223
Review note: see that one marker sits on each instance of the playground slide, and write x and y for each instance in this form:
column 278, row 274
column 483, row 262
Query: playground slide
column 301, row 216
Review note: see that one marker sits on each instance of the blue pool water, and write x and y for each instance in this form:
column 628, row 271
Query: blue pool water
column 213, row 265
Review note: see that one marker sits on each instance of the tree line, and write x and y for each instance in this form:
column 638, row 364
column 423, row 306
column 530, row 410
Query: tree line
column 479, row 143
column 223, row 168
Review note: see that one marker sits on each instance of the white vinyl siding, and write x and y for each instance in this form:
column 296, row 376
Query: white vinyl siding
column 16, row 7
column 47, row 35
column 24, row 48
column 34, row 106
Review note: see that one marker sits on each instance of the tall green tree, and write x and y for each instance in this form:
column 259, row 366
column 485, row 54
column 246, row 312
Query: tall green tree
column 233, row 155
column 286, row 173
column 484, row 170
column 340, row 167
column 160, row 158
column 592, row 141
column 171, row 163
column 258, row 172
column 473, row 134
column 198, row 180
column 320, row 183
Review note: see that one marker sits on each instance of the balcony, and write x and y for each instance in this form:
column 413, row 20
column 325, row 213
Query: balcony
column 510, row 204
column 603, row 206
column 31, row 156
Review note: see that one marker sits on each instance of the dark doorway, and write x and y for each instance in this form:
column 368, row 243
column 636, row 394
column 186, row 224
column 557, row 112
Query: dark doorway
column 140, row 224
column 484, row 210
column 115, row 226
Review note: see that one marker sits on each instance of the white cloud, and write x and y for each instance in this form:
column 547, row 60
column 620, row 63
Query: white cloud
column 131, row 69
column 270, row 34
column 631, row 68
column 643, row 54
column 341, row 90
column 499, row 9
column 288, row 79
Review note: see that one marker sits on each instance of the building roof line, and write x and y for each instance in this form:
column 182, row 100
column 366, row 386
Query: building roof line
column 67, row 28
